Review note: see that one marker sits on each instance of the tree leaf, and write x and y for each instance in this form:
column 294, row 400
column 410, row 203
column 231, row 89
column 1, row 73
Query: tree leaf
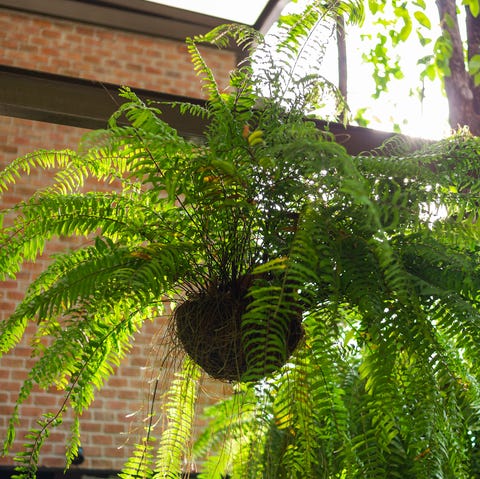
column 375, row 6
column 476, row 79
column 431, row 72
column 405, row 31
column 422, row 19
column 473, row 5
column 474, row 64
column 421, row 4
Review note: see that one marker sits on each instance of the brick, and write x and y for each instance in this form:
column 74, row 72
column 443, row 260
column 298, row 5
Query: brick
column 111, row 452
column 43, row 400
column 9, row 149
column 117, row 382
column 6, row 410
column 83, row 31
column 92, row 427
column 32, row 411
column 128, row 394
column 49, row 52
column 113, row 428
column 15, row 295
column 27, row 48
column 13, row 362
column 57, row 436
column 103, row 440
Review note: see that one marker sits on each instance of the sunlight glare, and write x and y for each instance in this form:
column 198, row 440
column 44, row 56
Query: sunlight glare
column 400, row 108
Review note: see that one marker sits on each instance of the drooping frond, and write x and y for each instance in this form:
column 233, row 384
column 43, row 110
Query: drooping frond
column 140, row 463
column 288, row 65
column 102, row 279
column 28, row 458
column 300, row 28
column 223, row 36
column 222, row 445
column 43, row 159
column 179, row 413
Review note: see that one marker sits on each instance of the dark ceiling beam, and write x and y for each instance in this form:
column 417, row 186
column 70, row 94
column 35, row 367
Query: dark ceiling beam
column 159, row 10
column 358, row 140
column 270, row 15
column 89, row 104
column 77, row 102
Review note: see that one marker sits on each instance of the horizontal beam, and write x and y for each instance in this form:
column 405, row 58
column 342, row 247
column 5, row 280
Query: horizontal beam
column 89, row 104
column 77, row 102
column 358, row 139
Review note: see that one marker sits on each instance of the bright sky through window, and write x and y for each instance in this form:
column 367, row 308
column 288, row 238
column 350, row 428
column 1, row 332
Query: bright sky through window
column 396, row 108
column 244, row 11
column 400, row 106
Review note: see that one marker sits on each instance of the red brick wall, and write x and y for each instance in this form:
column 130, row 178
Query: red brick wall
column 105, row 425
column 90, row 52
column 103, row 54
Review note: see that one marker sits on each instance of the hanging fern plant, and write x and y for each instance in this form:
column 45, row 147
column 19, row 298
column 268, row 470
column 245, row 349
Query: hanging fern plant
column 328, row 288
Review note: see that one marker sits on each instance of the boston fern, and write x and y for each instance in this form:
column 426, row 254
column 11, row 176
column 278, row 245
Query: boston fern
column 338, row 294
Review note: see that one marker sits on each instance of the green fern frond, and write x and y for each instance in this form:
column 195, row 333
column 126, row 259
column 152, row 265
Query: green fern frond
column 28, row 459
column 92, row 279
column 74, row 443
column 201, row 69
column 242, row 35
column 179, row 411
column 223, row 444
column 42, row 159
column 191, row 109
column 140, row 463
column 269, row 316
column 119, row 217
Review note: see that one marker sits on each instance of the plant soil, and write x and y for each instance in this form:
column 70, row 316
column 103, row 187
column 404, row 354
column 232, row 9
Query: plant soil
column 209, row 327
